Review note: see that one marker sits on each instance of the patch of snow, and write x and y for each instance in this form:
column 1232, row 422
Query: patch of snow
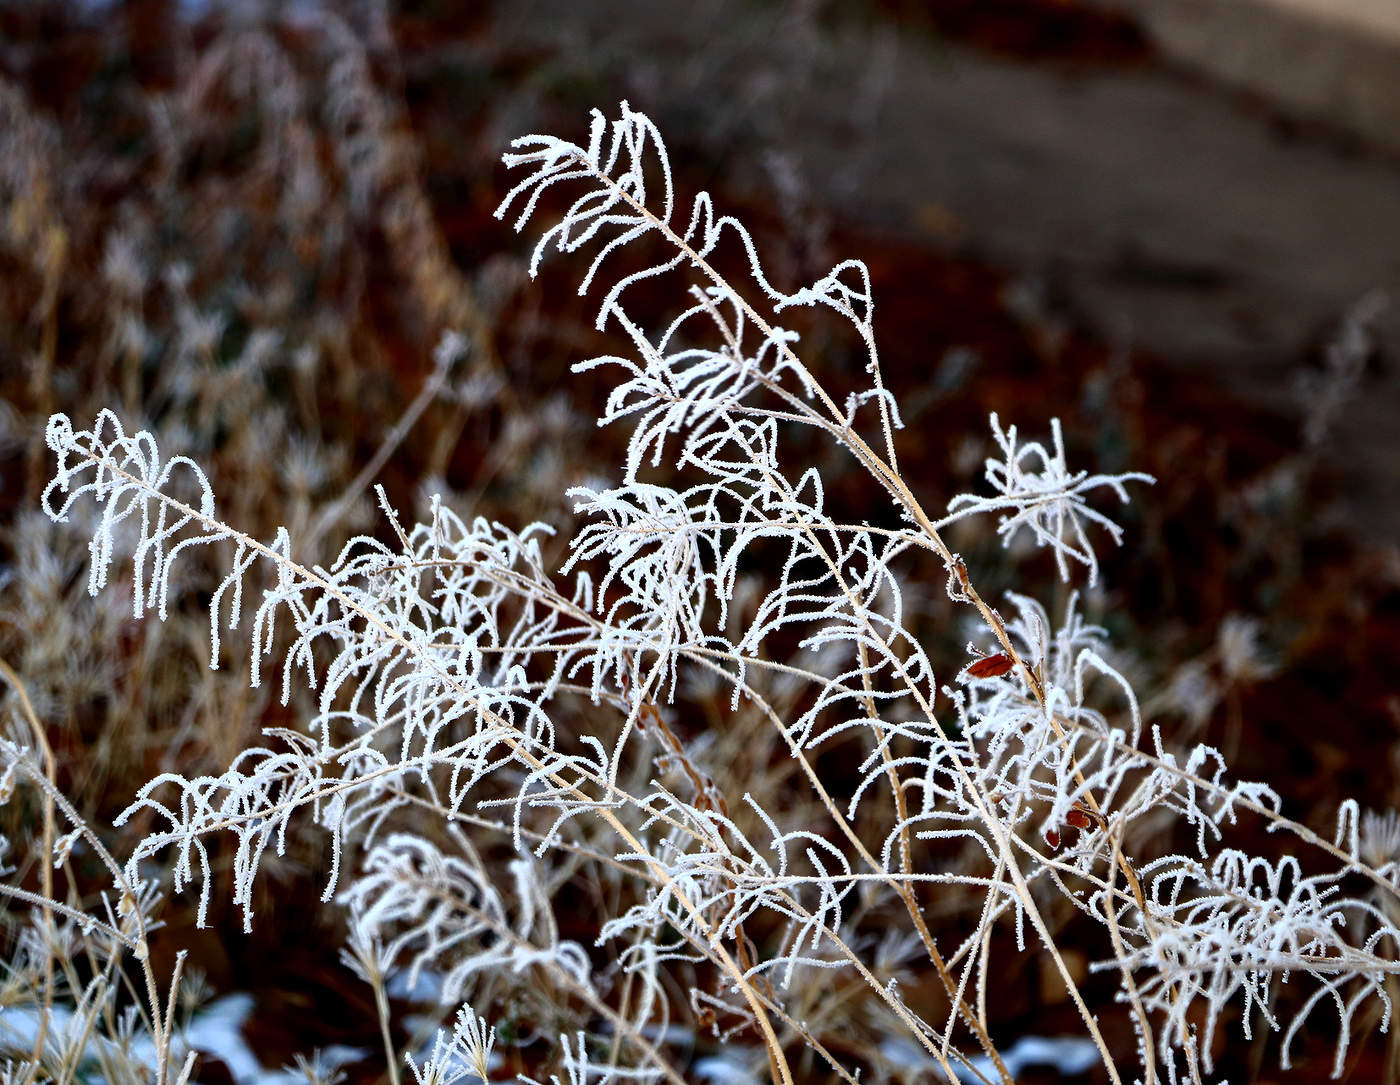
column 1069, row 1055
column 731, row 1068
column 216, row 1031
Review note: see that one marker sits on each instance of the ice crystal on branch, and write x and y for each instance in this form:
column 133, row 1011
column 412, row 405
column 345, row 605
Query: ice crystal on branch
column 1035, row 489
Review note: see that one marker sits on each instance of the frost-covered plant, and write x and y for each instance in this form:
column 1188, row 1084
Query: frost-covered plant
column 500, row 744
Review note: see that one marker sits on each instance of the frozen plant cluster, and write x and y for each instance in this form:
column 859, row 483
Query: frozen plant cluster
column 643, row 733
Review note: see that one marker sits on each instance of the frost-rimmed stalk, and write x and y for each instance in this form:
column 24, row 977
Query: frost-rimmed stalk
column 564, row 164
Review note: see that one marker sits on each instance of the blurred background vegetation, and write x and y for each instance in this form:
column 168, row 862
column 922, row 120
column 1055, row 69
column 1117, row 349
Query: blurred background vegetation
column 250, row 227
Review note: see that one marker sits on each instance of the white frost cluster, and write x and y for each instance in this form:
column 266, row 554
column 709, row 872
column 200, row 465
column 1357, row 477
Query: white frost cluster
column 1035, row 489
column 460, row 809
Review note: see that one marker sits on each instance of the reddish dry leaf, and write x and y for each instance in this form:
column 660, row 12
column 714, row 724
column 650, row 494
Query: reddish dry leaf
column 991, row 666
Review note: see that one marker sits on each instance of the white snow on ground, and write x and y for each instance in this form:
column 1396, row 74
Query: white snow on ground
column 727, row 1069
column 1069, row 1055
column 216, row 1031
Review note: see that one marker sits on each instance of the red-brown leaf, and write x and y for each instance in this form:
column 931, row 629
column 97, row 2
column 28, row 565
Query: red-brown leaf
column 991, row 666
